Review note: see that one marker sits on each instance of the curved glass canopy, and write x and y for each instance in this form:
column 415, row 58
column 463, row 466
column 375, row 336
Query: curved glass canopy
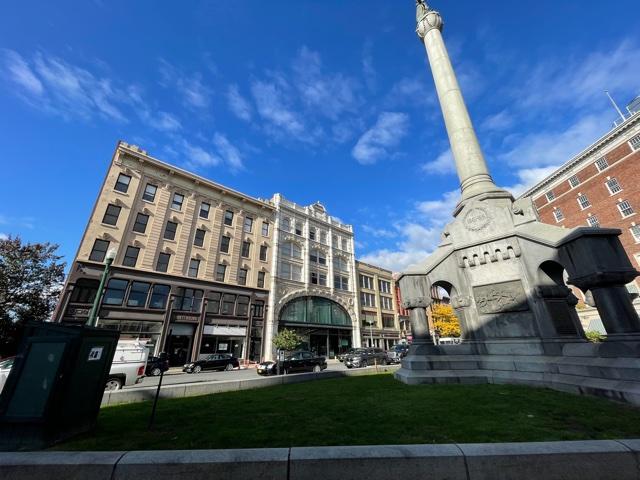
column 315, row 310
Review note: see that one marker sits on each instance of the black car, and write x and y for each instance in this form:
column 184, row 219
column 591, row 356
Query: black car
column 217, row 361
column 344, row 355
column 294, row 362
column 363, row 357
column 156, row 365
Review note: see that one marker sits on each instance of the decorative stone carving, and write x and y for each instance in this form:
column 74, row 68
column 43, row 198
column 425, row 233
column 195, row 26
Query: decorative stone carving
column 501, row 297
column 476, row 219
column 461, row 301
column 416, row 302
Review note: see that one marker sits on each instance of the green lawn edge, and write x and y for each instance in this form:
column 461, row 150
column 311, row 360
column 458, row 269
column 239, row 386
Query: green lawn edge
column 367, row 410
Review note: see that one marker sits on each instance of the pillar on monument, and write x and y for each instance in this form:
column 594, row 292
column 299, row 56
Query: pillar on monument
column 416, row 297
column 470, row 163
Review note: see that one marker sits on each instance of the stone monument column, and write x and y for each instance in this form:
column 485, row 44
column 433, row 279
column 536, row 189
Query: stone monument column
column 470, row 163
column 416, row 297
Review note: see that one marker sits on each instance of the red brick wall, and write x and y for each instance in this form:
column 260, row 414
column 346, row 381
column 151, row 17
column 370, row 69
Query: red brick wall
column 624, row 165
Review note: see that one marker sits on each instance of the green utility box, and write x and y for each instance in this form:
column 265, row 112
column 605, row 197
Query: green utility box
column 56, row 384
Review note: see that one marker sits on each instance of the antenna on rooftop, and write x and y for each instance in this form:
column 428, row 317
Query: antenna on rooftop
column 615, row 105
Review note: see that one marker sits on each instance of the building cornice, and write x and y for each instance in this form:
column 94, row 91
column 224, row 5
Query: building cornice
column 607, row 138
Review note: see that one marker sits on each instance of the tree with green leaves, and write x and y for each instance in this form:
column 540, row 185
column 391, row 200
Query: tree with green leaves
column 286, row 340
column 31, row 276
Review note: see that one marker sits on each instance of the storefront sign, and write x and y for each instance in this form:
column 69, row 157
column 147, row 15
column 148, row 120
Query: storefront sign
column 225, row 331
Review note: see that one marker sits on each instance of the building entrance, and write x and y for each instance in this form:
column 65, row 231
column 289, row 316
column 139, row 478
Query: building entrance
column 179, row 344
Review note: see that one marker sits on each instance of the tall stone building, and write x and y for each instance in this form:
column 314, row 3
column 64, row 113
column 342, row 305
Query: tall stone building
column 313, row 289
column 378, row 308
column 193, row 259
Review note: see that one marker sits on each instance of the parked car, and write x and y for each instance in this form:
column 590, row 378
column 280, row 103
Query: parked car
column 217, row 361
column 363, row 357
column 397, row 353
column 156, row 365
column 294, row 362
column 129, row 364
column 344, row 355
column 5, row 368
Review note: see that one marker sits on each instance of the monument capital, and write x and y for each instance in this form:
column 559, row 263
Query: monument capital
column 426, row 19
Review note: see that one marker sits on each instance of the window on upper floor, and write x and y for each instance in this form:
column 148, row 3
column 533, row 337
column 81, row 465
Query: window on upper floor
column 583, row 201
column 291, row 249
column 228, row 304
column 225, row 241
column 242, row 306
column 592, row 221
column 149, row 194
column 312, row 233
column 228, row 218
column 221, row 271
column 318, row 278
column 366, row 282
column 317, row 256
column 205, row 208
column 323, row 237
column 290, row 271
column 99, row 250
column 286, row 224
column 198, row 239
column 613, row 186
column 388, row 321
column 131, row 256
column 138, row 294
column 188, row 300
column 248, row 224
column 635, row 142
column 257, row 309
column 635, row 232
column 140, row 225
column 345, row 245
column 558, row 215
column 341, row 282
column 111, row 214
column 298, row 230
column 170, row 231
column 550, row 195
column 601, row 163
column 246, row 249
column 574, row 181
column 386, row 303
column 213, row 305
column 625, row 208
column 384, row 286
column 177, row 201
column 159, row 296
column 194, row 266
column 261, row 277
column 367, row 299
column 341, row 264
column 263, row 253
column 114, row 294
column 265, row 229
column 162, row 265
column 122, row 183
column 242, row 276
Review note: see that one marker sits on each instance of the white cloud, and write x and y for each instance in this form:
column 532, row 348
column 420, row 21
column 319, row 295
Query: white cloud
column 198, row 157
column 413, row 91
column 379, row 232
column 228, row 152
column 442, row 165
column 238, row 105
column 274, row 106
column 528, row 177
column 498, row 122
column 162, row 121
column 21, row 73
column 191, row 88
column 387, row 132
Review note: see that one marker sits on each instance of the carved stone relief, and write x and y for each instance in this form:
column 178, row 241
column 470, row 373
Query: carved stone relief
column 501, row 297
column 476, row 219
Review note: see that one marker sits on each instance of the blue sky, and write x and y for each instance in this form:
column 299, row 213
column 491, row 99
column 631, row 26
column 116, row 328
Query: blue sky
column 328, row 100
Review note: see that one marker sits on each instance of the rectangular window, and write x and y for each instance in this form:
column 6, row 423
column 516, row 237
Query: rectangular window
column 386, row 303
column 198, row 240
column 367, row 299
column 340, row 282
column 248, row 224
column 625, row 208
column 263, row 253
column 286, row 224
column 290, row 249
column 574, row 181
column 265, row 229
column 613, row 186
column 122, row 184
column 388, row 321
column 312, row 233
column 221, row 270
column 131, row 256
column 178, row 200
column 635, row 142
column 261, row 276
column 188, row 300
column 114, row 294
column 242, row 307
column 384, row 286
column 194, row 266
column 345, row 245
column 170, row 231
column 635, row 232
column 557, row 214
column 228, row 218
column 204, row 210
column 257, row 309
column 298, row 229
column 340, row 264
column 583, row 201
column 601, row 163
column 84, row 291
column 228, row 304
column 290, row 271
column 366, row 281
column 550, row 195
column 159, row 296
column 149, row 194
column 111, row 214
column 224, row 244
column 99, row 250
column 140, row 226
column 592, row 221
column 138, row 294
column 246, row 249
column 213, row 306
column 242, row 276
column 162, row 264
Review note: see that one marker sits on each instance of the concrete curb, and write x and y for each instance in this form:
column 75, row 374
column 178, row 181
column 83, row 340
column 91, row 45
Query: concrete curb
column 580, row 460
column 140, row 394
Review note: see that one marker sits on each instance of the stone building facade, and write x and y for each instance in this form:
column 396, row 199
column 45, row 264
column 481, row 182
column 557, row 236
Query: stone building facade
column 378, row 308
column 193, row 262
column 599, row 187
column 313, row 289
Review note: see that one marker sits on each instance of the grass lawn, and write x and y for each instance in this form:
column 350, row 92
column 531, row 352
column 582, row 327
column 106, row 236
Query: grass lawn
column 368, row 410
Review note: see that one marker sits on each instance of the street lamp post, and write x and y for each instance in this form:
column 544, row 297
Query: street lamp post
column 93, row 314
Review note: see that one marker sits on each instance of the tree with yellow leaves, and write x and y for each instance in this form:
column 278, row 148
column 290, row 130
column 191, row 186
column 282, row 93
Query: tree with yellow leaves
column 444, row 320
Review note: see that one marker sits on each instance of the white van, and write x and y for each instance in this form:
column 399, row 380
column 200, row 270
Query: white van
column 128, row 364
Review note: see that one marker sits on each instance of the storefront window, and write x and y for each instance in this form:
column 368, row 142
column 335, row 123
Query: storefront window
column 189, row 300
column 228, row 304
column 315, row 310
column 141, row 330
column 213, row 306
column 242, row 310
column 258, row 309
column 114, row 294
column 159, row 296
column 84, row 291
column 138, row 294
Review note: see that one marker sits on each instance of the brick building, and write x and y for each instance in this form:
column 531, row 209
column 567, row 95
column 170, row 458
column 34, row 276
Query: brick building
column 599, row 187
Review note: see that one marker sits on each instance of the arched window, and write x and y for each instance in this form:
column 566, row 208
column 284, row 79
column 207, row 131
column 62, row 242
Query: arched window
column 315, row 310
column 286, row 224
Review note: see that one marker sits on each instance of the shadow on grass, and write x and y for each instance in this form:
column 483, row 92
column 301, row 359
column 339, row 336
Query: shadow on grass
column 369, row 410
